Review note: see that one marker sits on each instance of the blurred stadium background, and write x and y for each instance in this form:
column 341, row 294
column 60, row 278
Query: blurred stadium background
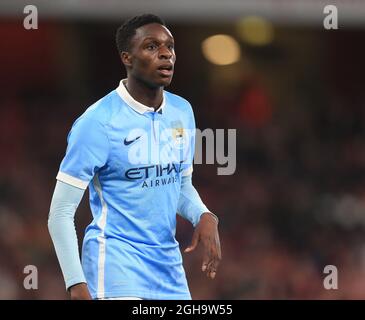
column 293, row 90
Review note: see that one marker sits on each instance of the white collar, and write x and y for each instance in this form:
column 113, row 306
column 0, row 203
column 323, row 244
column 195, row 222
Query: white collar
column 134, row 104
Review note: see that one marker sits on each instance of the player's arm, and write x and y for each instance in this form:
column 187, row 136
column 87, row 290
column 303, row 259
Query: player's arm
column 66, row 198
column 192, row 208
column 87, row 151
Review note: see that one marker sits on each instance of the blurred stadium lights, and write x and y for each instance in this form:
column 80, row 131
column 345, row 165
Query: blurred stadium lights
column 283, row 11
column 255, row 30
column 346, row 210
column 221, row 49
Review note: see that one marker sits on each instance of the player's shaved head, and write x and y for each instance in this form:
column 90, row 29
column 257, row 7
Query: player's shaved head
column 128, row 29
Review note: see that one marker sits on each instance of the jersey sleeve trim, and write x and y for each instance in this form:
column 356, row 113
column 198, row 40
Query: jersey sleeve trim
column 76, row 182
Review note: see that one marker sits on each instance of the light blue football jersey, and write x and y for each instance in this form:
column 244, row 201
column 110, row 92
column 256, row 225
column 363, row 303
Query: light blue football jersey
column 132, row 159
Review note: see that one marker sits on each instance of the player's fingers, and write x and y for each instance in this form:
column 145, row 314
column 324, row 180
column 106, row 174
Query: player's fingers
column 208, row 255
column 215, row 258
column 213, row 268
column 218, row 248
column 206, row 259
column 194, row 242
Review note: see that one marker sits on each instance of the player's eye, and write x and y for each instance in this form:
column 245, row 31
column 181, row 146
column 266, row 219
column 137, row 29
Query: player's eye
column 151, row 47
column 171, row 47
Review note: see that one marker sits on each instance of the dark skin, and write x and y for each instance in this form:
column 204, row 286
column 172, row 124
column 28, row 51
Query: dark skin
column 151, row 47
column 150, row 65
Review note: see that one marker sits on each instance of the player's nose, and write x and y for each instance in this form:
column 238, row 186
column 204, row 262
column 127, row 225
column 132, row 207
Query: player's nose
column 165, row 53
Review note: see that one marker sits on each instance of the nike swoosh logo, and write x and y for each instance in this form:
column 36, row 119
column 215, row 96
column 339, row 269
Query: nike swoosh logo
column 128, row 142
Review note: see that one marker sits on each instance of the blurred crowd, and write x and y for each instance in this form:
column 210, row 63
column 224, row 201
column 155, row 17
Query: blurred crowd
column 295, row 203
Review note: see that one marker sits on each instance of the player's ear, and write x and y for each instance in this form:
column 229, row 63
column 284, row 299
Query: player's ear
column 126, row 58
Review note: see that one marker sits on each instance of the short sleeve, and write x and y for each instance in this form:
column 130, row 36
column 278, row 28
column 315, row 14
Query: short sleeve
column 87, row 151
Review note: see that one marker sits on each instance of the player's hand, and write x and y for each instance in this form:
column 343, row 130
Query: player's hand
column 206, row 231
column 80, row 292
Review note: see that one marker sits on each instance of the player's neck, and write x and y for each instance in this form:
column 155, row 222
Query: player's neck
column 150, row 97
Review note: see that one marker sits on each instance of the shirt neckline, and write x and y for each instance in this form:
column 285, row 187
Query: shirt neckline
column 134, row 104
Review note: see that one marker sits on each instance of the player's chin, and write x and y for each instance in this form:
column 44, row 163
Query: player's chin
column 167, row 82
column 164, row 80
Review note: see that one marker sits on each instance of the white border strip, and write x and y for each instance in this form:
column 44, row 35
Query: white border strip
column 123, row 298
column 66, row 178
column 101, row 238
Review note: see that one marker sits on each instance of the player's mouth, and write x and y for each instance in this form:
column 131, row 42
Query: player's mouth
column 166, row 70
